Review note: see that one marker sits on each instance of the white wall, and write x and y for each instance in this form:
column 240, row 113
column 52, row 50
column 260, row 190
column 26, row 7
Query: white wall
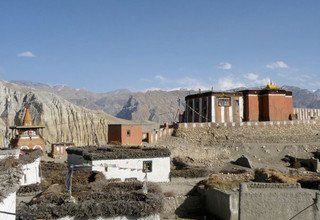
column 151, row 217
column 31, row 173
column 8, row 205
column 132, row 168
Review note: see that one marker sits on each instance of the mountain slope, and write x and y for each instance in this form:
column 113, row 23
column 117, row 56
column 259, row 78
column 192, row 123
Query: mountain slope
column 64, row 121
column 157, row 106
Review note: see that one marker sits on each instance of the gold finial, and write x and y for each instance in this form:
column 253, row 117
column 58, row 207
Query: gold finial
column 27, row 120
column 272, row 85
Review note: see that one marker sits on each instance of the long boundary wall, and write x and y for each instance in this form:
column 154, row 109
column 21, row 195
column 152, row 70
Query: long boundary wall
column 306, row 113
column 222, row 204
column 277, row 201
column 234, row 124
column 154, row 136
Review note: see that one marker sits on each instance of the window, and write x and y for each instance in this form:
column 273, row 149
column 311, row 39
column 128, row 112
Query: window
column 224, row 102
column 128, row 133
column 147, row 166
column 196, row 105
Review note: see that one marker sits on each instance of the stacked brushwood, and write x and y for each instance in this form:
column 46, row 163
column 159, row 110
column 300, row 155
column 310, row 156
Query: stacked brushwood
column 182, row 167
column 10, row 174
column 102, row 200
column 94, row 196
column 117, row 152
column 29, row 156
column 29, row 189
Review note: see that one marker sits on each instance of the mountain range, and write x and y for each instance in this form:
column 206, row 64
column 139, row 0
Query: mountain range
column 156, row 106
column 82, row 117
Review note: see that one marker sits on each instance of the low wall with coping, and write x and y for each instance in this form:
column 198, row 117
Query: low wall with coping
column 222, row 204
column 182, row 206
column 277, row 201
column 264, row 201
column 306, row 113
column 244, row 124
column 151, row 217
column 154, row 136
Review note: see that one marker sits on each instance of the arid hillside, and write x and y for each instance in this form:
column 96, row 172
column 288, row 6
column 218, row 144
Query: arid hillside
column 156, row 106
column 64, row 121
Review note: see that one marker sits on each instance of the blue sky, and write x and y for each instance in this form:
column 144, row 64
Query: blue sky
column 139, row 45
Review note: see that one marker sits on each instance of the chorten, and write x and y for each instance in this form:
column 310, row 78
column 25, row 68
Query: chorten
column 27, row 135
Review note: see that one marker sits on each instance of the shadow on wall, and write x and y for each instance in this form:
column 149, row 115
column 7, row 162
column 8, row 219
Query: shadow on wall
column 193, row 205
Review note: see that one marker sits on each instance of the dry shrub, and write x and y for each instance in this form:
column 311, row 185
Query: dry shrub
column 226, row 181
column 276, row 176
column 169, row 194
column 118, row 152
column 190, row 172
column 112, row 199
column 273, row 176
column 234, row 171
column 179, row 163
column 29, row 189
column 9, row 162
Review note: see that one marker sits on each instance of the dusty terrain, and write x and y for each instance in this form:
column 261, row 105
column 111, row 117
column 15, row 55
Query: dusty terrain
column 204, row 157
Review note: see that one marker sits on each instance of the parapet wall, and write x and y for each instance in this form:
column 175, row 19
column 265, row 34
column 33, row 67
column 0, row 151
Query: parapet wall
column 222, row 204
column 242, row 124
column 209, row 134
column 154, row 136
column 277, row 201
column 306, row 113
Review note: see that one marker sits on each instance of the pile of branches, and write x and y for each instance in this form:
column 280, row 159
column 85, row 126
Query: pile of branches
column 117, row 152
column 184, row 168
column 29, row 189
column 29, row 156
column 109, row 199
column 10, row 174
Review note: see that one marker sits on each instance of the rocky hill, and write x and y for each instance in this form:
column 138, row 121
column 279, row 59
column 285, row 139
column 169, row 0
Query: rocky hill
column 64, row 121
column 156, row 106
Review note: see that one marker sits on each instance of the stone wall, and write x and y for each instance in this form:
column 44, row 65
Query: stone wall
column 306, row 113
column 245, row 124
column 277, row 201
column 260, row 132
column 153, row 136
column 183, row 206
column 151, row 217
column 222, row 204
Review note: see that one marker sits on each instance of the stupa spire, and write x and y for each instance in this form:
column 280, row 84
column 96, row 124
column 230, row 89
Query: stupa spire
column 27, row 120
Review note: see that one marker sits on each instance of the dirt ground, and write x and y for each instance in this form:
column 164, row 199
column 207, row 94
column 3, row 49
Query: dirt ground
column 219, row 158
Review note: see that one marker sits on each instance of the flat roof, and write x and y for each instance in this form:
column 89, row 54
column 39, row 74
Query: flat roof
column 26, row 127
column 118, row 152
column 240, row 93
column 212, row 93
column 124, row 124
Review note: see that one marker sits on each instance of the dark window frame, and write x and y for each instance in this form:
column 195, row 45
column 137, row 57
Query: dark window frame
column 147, row 166
column 224, row 102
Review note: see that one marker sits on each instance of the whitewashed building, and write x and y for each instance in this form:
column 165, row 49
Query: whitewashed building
column 8, row 204
column 31, row 173
column 29, row 162
column 9, row 184
column 125, row 163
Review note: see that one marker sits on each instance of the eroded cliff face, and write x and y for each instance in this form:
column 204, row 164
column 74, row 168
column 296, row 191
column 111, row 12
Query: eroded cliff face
column 64, row 121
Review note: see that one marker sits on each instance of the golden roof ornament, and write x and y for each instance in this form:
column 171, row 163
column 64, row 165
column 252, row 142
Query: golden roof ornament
column 272, row 85
column 27, row 120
